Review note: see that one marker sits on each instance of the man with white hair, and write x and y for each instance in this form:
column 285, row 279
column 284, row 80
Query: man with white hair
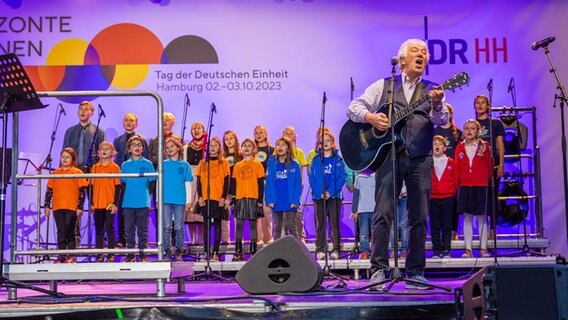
column 413, row 155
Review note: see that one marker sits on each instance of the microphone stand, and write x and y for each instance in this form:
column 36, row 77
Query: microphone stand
column 92, row 157
column 492, row 185
column 186, row 106
column 89, row 163
column 396, row 274
column 356, row 249
column 326, row 269
column 563, row 98
column 208, row 272
column 46, row 164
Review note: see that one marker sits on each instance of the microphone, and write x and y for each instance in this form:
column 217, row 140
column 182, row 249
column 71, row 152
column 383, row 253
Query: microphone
column 394, row 61
column 213, row 107
column 542, row 43
column 511, row 85
column 352, row 85
column 62, row 110
column 187, row 102
column 101, row 111
column 324, row 97
column 490, row 85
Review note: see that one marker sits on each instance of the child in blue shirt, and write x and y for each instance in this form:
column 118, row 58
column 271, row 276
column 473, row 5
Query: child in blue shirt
column 327, row 177
column 136, row 199
column 177, row 195
column 283, row 188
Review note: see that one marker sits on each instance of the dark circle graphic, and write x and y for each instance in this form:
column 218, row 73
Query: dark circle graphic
column 189, row 49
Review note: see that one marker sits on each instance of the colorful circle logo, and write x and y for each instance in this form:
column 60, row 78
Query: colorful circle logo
column 119, row 56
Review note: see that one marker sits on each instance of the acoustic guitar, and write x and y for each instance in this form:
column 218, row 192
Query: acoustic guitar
column 365, row 149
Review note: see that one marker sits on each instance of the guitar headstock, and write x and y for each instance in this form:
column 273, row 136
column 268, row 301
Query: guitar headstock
column 456, row 81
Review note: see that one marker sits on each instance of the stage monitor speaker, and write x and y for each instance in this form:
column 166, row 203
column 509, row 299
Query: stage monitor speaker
column 286, row 265
column 517, row 292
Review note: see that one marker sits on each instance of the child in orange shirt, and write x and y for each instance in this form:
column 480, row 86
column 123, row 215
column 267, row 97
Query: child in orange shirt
column 68, row 199
column 248, row 178
column 212, row 191
column 106, row 194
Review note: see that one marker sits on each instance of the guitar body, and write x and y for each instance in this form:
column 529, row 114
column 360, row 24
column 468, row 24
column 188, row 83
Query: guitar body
column 364, row 148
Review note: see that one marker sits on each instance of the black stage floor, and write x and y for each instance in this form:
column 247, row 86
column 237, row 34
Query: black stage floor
column 210, row 299
column 113, row 296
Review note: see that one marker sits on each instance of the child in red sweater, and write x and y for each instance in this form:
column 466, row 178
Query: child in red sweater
column 474, row 166
column 444, row 188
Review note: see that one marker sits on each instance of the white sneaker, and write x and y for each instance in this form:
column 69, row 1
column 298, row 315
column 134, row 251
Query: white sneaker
column 334, row 255
column 320, row 256
column 417, row 285
column 378, row 276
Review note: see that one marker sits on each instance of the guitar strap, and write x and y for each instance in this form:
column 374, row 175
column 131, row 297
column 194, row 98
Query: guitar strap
column 418, row 92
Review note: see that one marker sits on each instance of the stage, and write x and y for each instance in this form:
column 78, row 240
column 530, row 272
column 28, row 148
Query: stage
column 214, row 299
column 119, row 291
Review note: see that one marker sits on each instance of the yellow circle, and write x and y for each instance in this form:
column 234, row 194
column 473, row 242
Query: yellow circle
column 69, row 52
column 129, row 76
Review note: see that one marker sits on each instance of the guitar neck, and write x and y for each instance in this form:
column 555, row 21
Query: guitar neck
column 402, row 113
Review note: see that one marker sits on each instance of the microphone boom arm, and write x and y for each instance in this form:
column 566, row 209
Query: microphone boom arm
column 186, row 106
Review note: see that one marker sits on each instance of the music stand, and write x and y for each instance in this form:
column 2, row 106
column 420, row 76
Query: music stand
column 17, row 94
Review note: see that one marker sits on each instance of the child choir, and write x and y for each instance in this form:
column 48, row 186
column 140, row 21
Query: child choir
column 261, row 184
